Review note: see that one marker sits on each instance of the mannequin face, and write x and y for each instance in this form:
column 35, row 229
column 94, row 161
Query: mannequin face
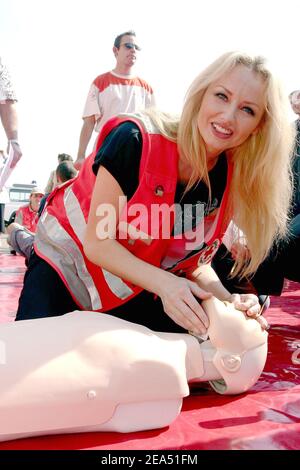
column 231, row 329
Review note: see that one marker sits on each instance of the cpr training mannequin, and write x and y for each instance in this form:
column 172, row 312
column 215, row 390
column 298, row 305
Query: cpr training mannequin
column 86, row 371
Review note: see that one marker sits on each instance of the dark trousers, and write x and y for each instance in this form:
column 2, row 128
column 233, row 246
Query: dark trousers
column 43, row 294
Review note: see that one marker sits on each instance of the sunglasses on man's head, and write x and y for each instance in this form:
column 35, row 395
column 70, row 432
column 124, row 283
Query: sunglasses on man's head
column 131, row 45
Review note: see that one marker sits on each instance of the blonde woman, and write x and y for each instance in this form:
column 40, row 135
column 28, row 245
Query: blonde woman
column 147, row 259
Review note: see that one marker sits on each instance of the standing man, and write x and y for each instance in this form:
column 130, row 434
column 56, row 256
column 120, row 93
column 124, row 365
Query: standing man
column 114, row 92
column 9, row 120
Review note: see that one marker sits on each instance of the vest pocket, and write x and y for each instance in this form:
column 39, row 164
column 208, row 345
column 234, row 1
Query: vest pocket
column 160, row 185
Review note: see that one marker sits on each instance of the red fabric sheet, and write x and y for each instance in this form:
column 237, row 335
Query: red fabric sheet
column 267, row 417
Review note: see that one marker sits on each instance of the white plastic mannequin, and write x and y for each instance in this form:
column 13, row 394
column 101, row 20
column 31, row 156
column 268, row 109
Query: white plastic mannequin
column 85, row 371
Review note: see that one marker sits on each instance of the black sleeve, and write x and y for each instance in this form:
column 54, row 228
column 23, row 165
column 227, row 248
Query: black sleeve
column 120, row 154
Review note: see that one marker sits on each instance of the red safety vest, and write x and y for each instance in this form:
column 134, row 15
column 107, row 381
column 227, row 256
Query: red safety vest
column 29, row 217
column 63, row 222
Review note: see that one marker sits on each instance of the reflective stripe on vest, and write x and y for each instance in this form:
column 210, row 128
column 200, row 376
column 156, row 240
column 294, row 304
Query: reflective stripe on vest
column 78, row 224
column 62, row 253
column 74, row 213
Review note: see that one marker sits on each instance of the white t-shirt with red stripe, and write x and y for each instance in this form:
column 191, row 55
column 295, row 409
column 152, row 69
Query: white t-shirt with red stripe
column 111, row 94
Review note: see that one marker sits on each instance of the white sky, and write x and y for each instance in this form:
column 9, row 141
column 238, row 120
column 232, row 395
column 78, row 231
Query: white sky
column 55, row 48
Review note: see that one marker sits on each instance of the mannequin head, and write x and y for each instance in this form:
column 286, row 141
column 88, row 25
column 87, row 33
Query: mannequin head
column 240, row 343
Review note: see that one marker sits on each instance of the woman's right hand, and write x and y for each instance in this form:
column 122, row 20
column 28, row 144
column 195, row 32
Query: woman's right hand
column 180, row 301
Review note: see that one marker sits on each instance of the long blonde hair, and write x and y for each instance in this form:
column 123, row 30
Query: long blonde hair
column 261, row 188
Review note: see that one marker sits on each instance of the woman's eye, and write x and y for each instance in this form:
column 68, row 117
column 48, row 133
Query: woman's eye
column 248, row 110
column 221, row 96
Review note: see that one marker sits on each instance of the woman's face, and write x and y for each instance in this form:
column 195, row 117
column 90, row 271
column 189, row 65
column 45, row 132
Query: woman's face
column 231, row 110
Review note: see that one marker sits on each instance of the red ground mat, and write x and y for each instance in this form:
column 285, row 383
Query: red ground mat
column 12, row 269
column 267, row 417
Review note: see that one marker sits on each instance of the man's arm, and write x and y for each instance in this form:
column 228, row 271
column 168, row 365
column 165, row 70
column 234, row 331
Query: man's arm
column 8, row 114
column 85, row 135
column 9, row 119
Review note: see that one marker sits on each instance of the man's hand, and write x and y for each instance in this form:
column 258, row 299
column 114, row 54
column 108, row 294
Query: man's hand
column 78, row 163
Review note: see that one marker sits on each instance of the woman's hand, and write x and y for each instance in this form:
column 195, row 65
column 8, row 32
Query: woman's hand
column 180, row 300
column 249, row 304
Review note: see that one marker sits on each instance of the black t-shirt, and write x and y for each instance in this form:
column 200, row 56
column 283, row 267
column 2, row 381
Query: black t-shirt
column 120, row 154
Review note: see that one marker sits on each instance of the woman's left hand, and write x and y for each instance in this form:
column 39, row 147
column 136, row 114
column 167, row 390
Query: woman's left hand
column 249, row 304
